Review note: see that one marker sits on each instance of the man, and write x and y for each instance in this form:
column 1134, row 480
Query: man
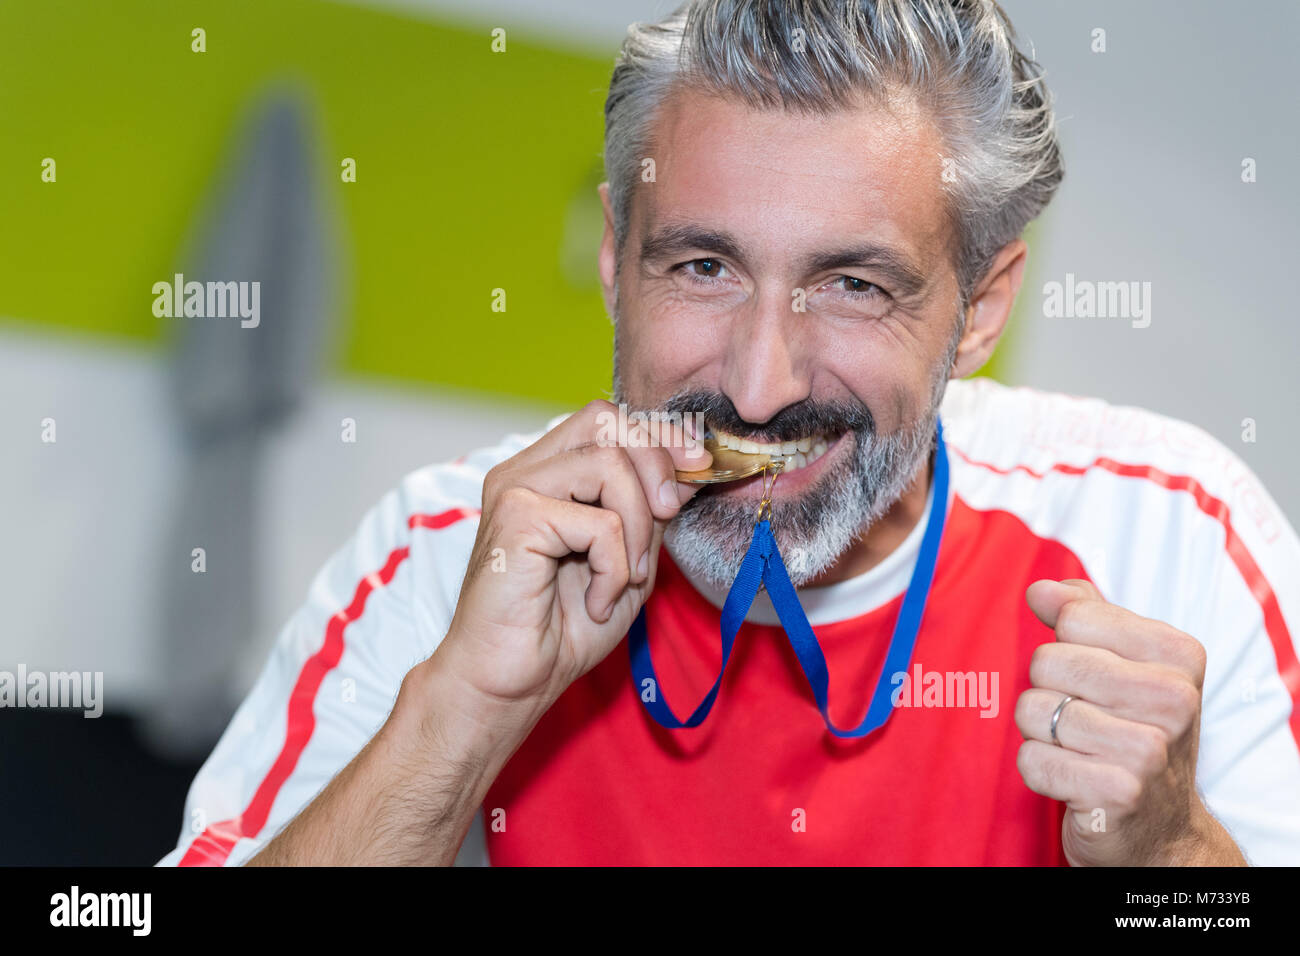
column 813, row 214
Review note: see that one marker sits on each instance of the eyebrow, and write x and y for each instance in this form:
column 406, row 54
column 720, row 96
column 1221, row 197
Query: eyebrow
column 908, row 278
column 679, row 238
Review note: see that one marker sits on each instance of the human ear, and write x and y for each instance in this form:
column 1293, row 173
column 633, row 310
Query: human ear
column 989, row 308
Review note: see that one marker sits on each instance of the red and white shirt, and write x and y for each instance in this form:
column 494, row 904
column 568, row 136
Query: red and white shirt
column 1162, row 518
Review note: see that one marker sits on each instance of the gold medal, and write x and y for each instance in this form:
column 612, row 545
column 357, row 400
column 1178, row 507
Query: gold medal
column 729, row 465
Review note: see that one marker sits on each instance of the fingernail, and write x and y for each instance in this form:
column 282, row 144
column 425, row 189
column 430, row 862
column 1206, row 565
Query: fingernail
column 668, row 493
column 643, row 566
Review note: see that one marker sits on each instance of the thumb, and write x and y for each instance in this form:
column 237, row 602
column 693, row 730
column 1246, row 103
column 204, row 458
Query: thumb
column 1046, row 597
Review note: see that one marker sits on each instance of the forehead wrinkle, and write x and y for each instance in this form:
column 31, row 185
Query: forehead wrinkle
column 893, row 122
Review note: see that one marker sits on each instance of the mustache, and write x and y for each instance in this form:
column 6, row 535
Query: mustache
column 795, row 421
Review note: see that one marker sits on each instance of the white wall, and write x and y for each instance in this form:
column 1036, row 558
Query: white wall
column 1154, row 132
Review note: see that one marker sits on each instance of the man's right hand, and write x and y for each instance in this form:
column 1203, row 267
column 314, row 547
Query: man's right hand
column 566, row 554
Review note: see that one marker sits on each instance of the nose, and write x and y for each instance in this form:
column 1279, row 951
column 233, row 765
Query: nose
column 764, row 370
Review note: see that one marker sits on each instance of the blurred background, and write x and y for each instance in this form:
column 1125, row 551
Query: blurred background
column 382, row 172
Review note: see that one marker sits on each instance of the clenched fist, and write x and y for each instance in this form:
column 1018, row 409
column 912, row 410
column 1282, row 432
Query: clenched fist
column 1124, row 758
column 566, row 554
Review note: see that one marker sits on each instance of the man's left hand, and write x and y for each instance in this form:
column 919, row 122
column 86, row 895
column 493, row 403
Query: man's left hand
column 1125, row 765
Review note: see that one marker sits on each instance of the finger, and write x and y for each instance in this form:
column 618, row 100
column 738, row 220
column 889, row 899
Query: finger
column 1132, row 690
column 1082, row 782
column 1099, row 624
column 599, row 476
column 1080, row 727
column 637, row 593
column 1046, row 597
column 657, row 469
column 638, row 482
column 588, row 424
column 604, row 423
column 556, row 528
column 1088, row 729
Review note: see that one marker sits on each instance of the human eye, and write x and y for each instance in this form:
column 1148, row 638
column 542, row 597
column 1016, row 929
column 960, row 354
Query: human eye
column 703, row 270
column 855, row 288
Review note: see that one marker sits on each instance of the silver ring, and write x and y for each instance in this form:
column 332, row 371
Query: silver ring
column 1056, row 718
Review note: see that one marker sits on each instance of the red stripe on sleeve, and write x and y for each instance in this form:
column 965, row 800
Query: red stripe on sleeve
column 213, row 846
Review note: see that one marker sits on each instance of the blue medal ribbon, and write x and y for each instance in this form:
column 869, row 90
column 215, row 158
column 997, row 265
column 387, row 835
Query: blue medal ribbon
column 762, row 565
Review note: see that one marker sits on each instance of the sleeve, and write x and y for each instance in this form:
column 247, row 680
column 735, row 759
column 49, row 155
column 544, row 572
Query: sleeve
column 334, row 672
column 1248, row 767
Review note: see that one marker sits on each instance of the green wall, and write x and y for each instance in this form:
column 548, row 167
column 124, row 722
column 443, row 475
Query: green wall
column 474, row 170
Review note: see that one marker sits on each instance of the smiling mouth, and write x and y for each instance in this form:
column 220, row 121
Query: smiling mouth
column 795, row 454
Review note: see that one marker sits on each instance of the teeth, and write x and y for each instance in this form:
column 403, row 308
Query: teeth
column 801, row 459
column 796, row 454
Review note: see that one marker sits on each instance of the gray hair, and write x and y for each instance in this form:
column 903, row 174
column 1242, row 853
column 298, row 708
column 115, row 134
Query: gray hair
column 959, row 57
